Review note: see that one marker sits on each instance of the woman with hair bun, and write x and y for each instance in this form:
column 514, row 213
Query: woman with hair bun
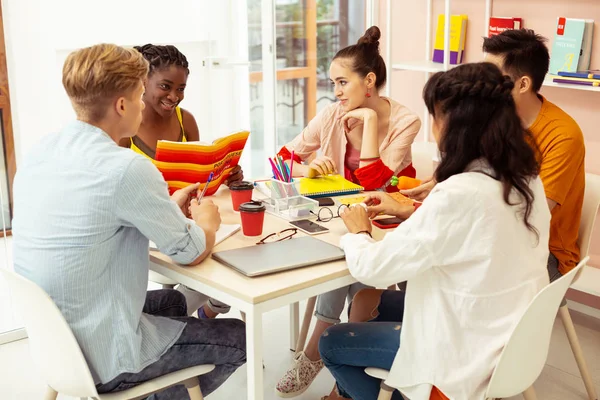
column 365, row 137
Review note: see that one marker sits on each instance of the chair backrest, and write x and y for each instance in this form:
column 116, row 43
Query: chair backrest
column 526, row 351
column 53, row 346
column 591, row 202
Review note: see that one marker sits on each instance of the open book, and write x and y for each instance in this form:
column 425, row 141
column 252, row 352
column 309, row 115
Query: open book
column 185, row 163
column 225, row 230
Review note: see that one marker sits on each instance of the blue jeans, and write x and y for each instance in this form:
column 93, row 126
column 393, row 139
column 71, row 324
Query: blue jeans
column 203, row 341
column 347, row 349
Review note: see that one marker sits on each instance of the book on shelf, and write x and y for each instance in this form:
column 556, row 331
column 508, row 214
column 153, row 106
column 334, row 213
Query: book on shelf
column 575, row 81
column 588, row 74
column 458, row 32
column 500, row 24
column 572, row 46
column 185, row 163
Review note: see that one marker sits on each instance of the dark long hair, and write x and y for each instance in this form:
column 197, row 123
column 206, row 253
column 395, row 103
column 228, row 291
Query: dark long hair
column 480, row 121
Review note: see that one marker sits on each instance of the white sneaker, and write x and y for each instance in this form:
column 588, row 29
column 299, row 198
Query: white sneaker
column 298, row 378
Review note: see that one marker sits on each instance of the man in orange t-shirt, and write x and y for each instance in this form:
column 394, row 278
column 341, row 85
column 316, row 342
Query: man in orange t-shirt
column 523, row 55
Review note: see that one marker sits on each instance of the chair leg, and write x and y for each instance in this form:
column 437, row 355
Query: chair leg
column 529, row 394
column 565, row 316
column 50, row 394
column 193, row 387
column 385, row 393
column 308, row 312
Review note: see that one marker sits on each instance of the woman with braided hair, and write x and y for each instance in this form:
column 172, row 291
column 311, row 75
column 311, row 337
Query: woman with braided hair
column 474, row 254
column 163, row 119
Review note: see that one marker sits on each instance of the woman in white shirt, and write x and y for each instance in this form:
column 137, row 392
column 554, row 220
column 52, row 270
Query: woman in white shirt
column 474, row 254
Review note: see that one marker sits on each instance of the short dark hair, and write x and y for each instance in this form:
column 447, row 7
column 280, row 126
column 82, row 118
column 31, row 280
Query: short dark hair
column 481, row 122
column 365, row 56
column 524, row 52
column 160, row 57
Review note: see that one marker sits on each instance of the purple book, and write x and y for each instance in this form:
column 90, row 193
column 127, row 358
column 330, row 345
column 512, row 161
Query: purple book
column 438, row 57
column 571, row 82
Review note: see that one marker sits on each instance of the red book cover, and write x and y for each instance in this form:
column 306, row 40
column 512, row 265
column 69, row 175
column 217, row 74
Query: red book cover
column 500, row 24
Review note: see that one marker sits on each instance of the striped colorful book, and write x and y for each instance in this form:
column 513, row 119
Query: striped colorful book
column 185, row 163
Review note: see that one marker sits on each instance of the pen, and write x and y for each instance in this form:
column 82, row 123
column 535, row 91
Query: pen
column 205, row 187
column 275, row 170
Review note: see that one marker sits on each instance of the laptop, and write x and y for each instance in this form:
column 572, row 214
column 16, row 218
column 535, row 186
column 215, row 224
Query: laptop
column 279, row 256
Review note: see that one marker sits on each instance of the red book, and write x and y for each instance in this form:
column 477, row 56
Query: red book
column 500, row 24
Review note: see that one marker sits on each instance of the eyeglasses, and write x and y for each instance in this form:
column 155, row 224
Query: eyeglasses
column 325, row 214
column 278, row 236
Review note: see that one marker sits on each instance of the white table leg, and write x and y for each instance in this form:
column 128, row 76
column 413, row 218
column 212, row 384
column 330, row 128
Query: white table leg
column 254, row 355
column 294, row 324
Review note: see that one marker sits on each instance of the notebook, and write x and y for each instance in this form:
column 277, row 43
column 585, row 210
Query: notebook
column 279, row 256
column 328, row 185
column 185, row 163
column 225, row 230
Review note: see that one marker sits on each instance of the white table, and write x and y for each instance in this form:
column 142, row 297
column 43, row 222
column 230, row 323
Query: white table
column 256, row 296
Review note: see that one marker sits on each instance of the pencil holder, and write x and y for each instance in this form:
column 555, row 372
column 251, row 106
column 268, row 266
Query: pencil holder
column 282, row 190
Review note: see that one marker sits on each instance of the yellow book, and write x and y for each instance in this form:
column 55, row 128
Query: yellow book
column 458, row 29
column 329, row 185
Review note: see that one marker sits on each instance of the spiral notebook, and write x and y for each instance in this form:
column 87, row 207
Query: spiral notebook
column 328, row 185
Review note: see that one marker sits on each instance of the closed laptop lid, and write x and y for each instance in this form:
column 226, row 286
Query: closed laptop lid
column 279, row 256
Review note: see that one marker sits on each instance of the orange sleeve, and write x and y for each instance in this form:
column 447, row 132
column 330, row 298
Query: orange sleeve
column 560, row 164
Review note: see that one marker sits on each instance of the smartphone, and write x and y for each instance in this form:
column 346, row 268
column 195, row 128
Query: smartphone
column 326, row 201
column 309, row 227
column 387, row 223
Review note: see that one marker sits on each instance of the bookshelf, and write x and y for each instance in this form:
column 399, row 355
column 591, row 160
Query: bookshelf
column 428, row 67
column 548, row 83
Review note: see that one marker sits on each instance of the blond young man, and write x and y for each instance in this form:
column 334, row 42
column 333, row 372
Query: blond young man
column 85, row 209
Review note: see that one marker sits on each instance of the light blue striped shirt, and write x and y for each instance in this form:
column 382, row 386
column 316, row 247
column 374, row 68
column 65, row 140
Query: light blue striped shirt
column 84, row 209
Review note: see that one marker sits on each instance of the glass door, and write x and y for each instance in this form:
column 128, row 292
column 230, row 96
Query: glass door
column 307, row 34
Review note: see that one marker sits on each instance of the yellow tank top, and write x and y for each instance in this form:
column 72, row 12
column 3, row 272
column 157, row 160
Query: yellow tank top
column 142, row 148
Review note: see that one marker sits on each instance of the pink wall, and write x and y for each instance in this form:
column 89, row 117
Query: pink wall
column 408, row 43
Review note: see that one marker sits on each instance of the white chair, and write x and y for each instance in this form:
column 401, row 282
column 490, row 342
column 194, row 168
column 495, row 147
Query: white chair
column 59, row 359
column 591, row 202
column 522, row 358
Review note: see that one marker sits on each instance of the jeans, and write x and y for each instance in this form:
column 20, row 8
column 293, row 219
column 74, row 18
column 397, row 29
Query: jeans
column 347, row 349
column 203, row 341
column 331, row 304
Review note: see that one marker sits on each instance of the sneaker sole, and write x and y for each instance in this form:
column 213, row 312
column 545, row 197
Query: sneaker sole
column 292, row 394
